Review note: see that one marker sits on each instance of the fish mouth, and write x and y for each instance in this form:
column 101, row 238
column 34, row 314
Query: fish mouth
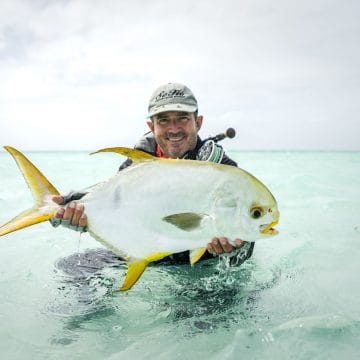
column 268, row 229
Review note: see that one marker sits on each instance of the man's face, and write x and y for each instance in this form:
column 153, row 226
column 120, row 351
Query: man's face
column 175, row 132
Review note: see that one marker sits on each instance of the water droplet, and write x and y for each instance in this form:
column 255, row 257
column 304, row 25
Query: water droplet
column 117, row 327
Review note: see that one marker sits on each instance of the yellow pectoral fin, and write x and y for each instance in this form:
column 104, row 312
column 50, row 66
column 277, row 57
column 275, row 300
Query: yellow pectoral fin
column 137, row 267
column 195, row 255
column 133, row 154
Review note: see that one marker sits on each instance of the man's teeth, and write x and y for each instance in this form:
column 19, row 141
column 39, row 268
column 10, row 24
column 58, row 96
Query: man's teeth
column 175, row 138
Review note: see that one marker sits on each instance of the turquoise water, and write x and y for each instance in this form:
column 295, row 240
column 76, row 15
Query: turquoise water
column 296, row 298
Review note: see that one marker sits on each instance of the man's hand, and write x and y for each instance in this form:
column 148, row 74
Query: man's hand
column 73, row 216
column 221, row 245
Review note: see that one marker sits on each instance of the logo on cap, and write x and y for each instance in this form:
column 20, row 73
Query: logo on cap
column 169, row 94
column 172, row 97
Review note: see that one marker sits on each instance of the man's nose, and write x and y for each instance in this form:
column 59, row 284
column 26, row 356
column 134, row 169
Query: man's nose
column 174, row 123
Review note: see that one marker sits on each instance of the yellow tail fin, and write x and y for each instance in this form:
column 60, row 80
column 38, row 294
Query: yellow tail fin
column 42, row 191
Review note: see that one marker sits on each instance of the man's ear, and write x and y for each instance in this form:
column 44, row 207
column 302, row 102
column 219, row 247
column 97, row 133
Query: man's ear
column 150, row 125
column 198, row 122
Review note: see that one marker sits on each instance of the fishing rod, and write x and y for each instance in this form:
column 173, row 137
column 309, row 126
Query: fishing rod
column 229, row 133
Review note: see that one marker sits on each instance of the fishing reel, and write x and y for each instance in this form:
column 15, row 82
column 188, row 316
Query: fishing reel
column 211, row 150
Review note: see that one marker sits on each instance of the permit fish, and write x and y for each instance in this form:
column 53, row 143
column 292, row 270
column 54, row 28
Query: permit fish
column 157, row 207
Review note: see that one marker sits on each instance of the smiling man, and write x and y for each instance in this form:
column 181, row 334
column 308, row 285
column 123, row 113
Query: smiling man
column 174, row 120
column 175, row 132
column 174, row 124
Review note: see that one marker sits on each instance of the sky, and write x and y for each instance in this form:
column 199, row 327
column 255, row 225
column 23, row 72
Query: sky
column 78, row 74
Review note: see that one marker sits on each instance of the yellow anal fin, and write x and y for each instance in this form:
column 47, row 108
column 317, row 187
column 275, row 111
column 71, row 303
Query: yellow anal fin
column 137, row 267
column 133, row 154
column 26, row 218
column 185, row 221
column 195, row 255
column 135, row 270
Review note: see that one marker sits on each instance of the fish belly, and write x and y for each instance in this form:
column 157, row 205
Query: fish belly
column 126, row 213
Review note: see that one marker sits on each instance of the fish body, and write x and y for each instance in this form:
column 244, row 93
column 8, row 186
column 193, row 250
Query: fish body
column 158, row 207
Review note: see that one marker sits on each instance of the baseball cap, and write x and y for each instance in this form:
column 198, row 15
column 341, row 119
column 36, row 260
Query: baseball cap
column 172, row 97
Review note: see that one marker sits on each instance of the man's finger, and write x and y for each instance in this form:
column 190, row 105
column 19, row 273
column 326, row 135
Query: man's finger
column 210, row 249
column 69, row 211
column 58, row 199
column 78, row 211
column 225, row 245
column 239, row 243
column 83, row 220
column 216, row 246
column 60, row 213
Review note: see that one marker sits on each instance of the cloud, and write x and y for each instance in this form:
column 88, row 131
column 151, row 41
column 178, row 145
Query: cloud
column 78, row 74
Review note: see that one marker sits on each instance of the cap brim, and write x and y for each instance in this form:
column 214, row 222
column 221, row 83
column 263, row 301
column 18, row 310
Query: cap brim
column 171, row 107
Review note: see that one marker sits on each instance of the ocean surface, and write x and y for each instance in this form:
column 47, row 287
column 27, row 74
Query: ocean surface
column 298, row 297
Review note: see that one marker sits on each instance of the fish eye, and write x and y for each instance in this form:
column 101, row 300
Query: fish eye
column 256, row 213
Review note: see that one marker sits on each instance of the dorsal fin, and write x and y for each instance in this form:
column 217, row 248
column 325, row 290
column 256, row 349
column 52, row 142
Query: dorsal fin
column 134, row 154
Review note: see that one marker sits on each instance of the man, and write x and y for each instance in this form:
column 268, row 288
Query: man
column 174, row 124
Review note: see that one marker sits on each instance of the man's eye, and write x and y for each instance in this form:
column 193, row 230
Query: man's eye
column 163, row 121
column 180, row 119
